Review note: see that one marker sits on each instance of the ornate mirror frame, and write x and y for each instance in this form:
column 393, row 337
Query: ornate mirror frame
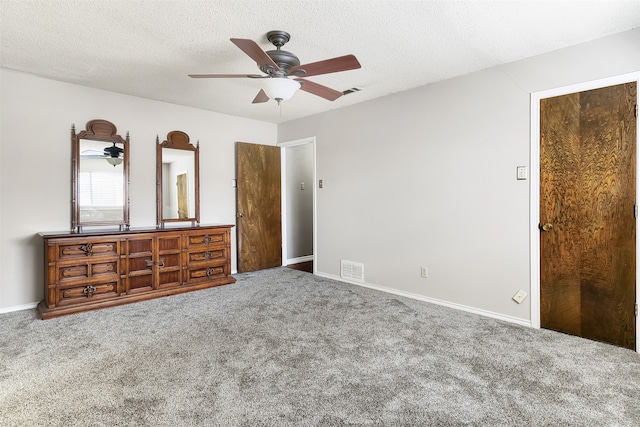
column 177, row 140
column 100, row 131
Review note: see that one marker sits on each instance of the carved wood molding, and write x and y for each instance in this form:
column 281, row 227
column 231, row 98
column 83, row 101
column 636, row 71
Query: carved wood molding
column 102, row 130
column 178, row 140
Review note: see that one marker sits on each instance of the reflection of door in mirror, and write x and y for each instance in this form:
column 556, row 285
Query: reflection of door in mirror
column 183, row 200
column 100, row 182
column 177, row 180
column 178, row 177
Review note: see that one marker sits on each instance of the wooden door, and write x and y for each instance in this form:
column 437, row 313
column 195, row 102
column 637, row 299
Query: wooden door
column 587, row 200
column 258, row 207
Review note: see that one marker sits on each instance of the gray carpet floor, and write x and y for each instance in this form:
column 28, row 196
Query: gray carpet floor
column 285, row 348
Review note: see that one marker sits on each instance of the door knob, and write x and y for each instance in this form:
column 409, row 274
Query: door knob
column 546, row 227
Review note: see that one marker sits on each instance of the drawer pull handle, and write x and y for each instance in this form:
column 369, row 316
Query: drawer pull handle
column 151, row 263
column 87, row 249
column 208, row 255
column 210, row 271
column 89, row 291
column 207, row 239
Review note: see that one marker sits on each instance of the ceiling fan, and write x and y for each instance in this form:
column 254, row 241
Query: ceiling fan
column 279, row 65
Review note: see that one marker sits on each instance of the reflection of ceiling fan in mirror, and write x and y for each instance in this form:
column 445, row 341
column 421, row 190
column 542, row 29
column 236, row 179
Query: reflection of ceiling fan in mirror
column 279, row 65
column 112, row 154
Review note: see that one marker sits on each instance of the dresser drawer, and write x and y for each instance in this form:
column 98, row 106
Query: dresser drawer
column 87, row 293
column 90, row 269
column 210, row 238
column 207, row 272
column 87, row 249
column 207, row 255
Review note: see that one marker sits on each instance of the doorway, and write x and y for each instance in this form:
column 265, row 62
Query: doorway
column 584, row 255
column 268, row 217
column 299, row 204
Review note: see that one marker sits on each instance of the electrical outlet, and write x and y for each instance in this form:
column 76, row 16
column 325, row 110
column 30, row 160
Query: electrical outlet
column 519, row 296
column 424, row 272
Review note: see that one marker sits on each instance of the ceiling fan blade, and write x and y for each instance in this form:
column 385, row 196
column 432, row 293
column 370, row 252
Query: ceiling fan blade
column 226, row 76
column 256, row 53
column 334, row 65
column 319, row 90
column 260, row 97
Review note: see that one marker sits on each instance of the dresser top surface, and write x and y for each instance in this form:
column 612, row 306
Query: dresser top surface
column 132, row 230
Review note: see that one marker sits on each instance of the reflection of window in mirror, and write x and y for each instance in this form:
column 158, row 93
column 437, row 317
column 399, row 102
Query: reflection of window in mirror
column 178, row 186
column 100, row 182
column 99, row 177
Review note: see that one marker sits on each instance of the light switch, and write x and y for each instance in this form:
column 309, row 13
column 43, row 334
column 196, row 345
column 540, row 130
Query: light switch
column 302, row 185
column 320, row 184
column 521, row 172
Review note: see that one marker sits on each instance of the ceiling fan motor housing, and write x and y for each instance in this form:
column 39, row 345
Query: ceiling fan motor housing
column 285, row 60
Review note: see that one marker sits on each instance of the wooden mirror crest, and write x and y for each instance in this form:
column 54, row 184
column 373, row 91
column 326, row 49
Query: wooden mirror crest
column 177, row 180
column 100, row 177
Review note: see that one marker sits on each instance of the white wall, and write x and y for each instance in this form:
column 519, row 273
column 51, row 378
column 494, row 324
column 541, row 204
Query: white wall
column 35, row 165
column 428, row 178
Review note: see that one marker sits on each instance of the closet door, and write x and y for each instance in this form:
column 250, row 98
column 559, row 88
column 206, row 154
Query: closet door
column 587, row 200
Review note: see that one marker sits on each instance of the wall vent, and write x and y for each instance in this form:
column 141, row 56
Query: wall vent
column 353, row 89
column 350, row 270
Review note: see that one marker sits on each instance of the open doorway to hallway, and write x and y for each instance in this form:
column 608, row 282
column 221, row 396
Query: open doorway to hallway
column 298, row 203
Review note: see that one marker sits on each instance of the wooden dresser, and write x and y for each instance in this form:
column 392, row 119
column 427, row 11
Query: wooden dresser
column 87, row 271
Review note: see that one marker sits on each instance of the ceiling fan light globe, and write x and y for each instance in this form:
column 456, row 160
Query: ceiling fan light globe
column 280, row 88
column 115, row 161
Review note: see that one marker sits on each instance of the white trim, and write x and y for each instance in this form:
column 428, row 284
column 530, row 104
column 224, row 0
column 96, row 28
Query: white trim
column 18, row 308
column 295, row 142
column 297, row 260
column 283, row 164
column 283, row 203
column 466, row 308
column 535, row 184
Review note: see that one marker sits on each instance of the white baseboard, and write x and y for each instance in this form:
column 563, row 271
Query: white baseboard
column 468, row 309
column 18, row 307
column 297, row 260
column 486, row 313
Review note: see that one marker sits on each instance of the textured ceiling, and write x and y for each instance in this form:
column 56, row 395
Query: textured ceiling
column 147, row 48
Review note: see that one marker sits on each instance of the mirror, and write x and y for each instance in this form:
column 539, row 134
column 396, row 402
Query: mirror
column 100, row 176
column 178, row 181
